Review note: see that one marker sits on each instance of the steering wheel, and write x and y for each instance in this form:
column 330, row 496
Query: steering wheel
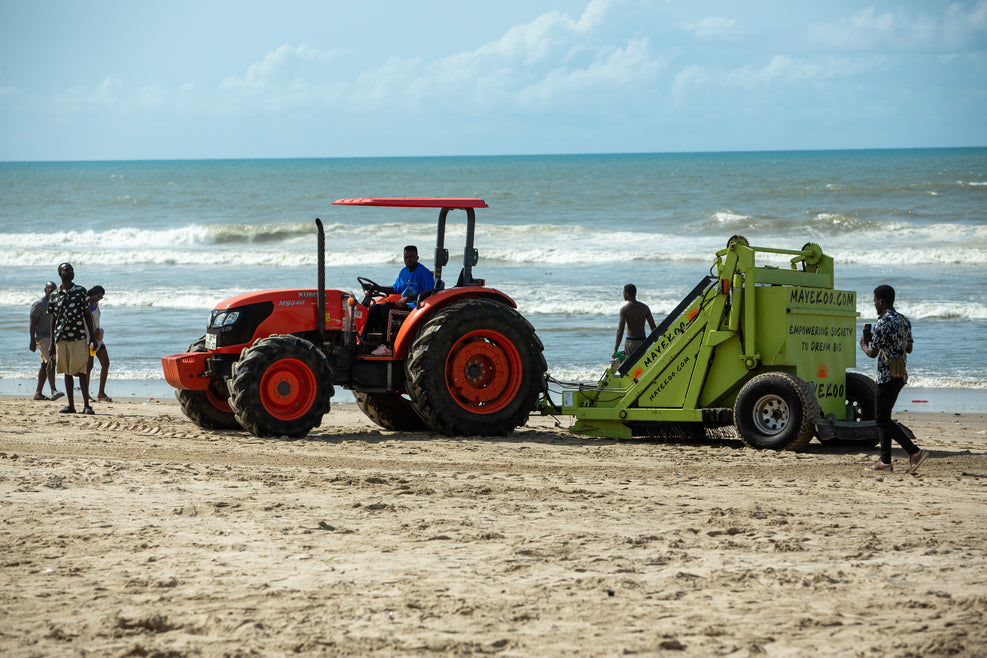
column 373, row 290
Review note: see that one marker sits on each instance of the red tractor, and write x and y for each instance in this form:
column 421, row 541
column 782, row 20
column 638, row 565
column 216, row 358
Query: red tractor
column 463, row 361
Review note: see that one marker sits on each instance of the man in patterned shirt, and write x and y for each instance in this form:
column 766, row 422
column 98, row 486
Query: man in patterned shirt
column 71, row 327
column 891, row 339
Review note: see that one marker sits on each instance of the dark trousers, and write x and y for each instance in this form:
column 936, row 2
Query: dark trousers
column 887, row 395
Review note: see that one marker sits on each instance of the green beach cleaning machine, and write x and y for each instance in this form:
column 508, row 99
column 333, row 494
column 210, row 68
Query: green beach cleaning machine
column 759, row 348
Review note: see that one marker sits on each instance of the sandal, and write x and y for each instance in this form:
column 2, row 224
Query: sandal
column 40, row 396
column 56, row 395
column 104, row 398
column 67, row 410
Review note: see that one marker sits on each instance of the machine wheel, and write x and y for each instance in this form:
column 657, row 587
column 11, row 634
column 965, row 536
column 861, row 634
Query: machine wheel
column 475, row 368
column 391, row 410
column 861, row 404
column 209, row 409
column 281, row 386
column 775, row 410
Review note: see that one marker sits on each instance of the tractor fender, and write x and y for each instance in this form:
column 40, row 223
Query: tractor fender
column 434, row 302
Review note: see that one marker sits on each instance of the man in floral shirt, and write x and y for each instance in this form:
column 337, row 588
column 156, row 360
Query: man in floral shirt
column 891, row 339
column 71, row 328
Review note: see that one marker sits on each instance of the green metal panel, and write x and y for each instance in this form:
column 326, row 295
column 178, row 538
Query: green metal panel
column 671, row 383
column 821, row 341
column 770, row 319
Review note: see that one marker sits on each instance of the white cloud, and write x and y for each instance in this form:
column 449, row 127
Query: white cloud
column 777, row 78
column 714, row 28
column 958, row 26
column 275, row 66
column 535, row 64
column 152, row 96
column 610, row 70
column 105, row 95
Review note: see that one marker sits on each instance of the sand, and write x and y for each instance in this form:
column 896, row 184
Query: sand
column 135, row 533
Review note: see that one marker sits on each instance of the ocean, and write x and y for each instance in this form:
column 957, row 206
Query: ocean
column 562, row 235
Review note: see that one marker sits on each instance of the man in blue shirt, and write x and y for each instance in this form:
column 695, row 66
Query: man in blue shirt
column 413, row 279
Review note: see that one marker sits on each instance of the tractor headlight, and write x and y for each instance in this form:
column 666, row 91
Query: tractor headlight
column 223, row 318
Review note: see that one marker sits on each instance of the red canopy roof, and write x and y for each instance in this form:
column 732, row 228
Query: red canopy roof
column 416, row 202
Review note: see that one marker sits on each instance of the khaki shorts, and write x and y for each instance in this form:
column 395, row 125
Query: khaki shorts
column 71, row 357
column 44, row 345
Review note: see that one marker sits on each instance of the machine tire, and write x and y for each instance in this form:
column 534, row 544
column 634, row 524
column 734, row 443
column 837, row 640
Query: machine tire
column 281, row 386
column 390, row 410
column 209, row 409
column 775, row 410
column 861, row 404
column 475, row 368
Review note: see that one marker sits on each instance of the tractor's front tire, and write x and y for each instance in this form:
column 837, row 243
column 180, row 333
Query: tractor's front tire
column 475, row 368
column 391, row 410
column 775, row 410
column 208, row 409
column 281, row 386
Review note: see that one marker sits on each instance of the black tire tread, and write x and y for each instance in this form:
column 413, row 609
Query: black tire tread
column 245, row 383
column 390, row 411
column 809, row 409
column 426, row 379
column 202, row 412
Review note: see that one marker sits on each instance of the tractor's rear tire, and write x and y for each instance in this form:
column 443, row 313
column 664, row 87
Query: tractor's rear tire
column 392, row 411
column 775, row 410
column 475, row 368
column 209, row 409
column 281, row 386
column 861, row 405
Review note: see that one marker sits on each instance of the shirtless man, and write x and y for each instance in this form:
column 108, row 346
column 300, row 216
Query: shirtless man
column 633, row 314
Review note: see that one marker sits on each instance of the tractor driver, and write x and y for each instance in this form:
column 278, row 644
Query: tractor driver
column 413, row 279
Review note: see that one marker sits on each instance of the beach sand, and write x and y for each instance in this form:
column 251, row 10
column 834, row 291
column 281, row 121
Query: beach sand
column 135, row 533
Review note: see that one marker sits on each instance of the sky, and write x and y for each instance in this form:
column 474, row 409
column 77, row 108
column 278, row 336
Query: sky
column 138, row 79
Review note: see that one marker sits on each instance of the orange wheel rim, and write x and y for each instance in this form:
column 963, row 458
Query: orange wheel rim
column 288, row 389
column 483, row 372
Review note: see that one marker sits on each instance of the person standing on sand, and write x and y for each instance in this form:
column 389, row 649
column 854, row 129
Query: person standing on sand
column 71, row 329
column 40, row 328
column 633, row 314
column 96, row 294
column 890, row 341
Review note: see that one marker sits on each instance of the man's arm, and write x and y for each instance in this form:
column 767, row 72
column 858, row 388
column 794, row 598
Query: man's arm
column 620, row 330
column 651, row 320
column 868, row 349
column 32, row 328
column 90, row 325
column 51, row 344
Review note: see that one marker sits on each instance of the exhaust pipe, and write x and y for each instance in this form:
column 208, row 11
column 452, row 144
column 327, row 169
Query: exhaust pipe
column 320, row 320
